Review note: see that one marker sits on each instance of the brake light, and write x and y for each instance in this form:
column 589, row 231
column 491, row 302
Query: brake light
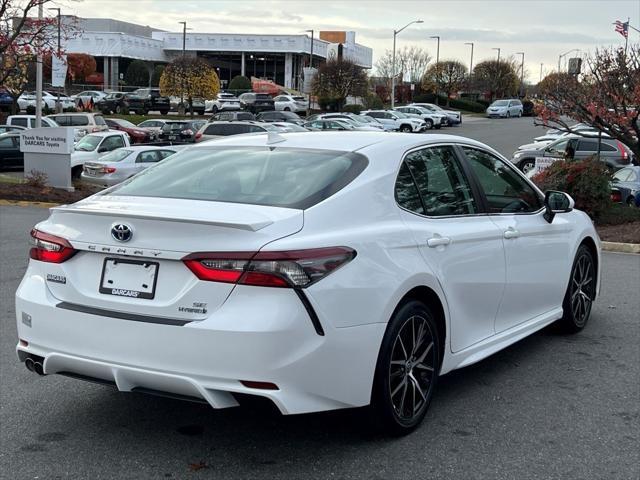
column 108, row 169
column 198, row 136
column 616, row 196
column 96, row 129
column 622, row 148
column 291, row 269
column 50, row 248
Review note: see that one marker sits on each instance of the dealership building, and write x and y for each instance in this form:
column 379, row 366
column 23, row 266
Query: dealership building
column 280, row 58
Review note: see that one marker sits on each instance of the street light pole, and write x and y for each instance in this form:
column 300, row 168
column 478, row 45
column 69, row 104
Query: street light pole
column 564, row 55
column 310, row 67
column 541, row 71
column 58, row 109
column 393, row 62
column 437, row 48
column 39, row 77
column 471, row 62
column 184, row 45
column 521, row 73
column 498, row 49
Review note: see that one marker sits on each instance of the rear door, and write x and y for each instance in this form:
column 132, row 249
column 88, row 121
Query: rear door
column 458, row 242
column 10, row 155
column 537, row 253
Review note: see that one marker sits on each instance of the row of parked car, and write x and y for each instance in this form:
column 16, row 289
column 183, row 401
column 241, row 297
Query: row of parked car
column 583, row 142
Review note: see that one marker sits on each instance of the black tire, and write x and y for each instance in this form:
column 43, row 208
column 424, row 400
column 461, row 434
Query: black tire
column 164, row 112
column 508, row 114
column 631, row 202
column 406, row 128
column 404, row 376
column 439, row 126
column 429, row 123
column 76, row 172
column 580, row 292
column 527, row 164
column 119, row 109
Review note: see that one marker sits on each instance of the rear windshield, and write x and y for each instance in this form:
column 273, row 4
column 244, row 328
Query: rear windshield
column 116, row 155
column 245, row 116
column 272, row 176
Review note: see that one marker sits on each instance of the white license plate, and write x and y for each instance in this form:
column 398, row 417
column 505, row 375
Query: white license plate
column 91, row 173
column 129, row 278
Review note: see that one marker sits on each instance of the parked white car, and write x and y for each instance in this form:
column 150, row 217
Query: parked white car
column 94, row 146
column 29, row 121
column 505, row 108
column 453, row 117
column 290, row 103
column 88, row 96
column 29, row 99
column 317, row 270
column 399, row 120
column 433, row 120
column 223, row 102
column 123, row 163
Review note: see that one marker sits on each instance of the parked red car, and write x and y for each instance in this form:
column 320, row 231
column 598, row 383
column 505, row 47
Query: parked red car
column 137, row 134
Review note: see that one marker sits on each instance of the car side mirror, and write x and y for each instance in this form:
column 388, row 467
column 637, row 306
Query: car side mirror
column 556, row 202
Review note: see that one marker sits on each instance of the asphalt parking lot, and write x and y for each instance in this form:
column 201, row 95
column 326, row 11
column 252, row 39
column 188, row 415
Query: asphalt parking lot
column 551, row 406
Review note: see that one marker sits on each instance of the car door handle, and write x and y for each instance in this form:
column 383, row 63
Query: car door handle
column 437, row 241
column 511, row 233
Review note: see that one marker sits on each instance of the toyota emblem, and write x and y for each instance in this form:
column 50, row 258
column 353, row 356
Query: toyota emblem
column 121, row 232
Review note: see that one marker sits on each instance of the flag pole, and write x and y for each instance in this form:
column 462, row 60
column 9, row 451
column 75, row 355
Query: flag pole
column 626, row 38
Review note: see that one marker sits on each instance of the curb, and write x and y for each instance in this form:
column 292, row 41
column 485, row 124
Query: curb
column 22, row 203
column 621, row 247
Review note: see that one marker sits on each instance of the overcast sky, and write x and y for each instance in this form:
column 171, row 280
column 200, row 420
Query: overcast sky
column 542, row 29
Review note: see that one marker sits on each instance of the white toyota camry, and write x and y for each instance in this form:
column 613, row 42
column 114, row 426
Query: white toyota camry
column 318, row 270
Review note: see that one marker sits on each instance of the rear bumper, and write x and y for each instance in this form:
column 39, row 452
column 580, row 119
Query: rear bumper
column 100, row 181
column 258, row 334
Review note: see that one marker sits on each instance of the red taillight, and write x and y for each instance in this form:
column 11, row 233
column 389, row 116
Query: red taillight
column 108, row 169
column 616, row 196
column 198, row 136
column 294, row 269
column 259, row 385
column 622, row 148
column 96, row 129
column 49, row 248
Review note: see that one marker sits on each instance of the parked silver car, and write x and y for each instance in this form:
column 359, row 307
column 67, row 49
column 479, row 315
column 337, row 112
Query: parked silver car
column 123, row 163
column 505, row 108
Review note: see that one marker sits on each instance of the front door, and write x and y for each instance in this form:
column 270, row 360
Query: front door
column 458, row 242
column 537, row 253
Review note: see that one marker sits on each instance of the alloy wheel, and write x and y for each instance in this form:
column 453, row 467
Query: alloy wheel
column 527, row 167
column 412, row 368
column 582, row 288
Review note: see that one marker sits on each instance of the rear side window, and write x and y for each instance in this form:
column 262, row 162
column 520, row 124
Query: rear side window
column 63, row 120
column 406, row 191
column 441, row 182
column 279, row 177
column 215, row 129
column 99, row 120
column 79, row 120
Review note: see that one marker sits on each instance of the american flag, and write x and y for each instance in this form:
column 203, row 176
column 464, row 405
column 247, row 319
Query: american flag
column 622, row 28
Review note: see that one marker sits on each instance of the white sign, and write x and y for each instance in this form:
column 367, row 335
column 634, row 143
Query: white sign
column 47, row 140
column 58, row 70
column 543, row 163
column 309, row 75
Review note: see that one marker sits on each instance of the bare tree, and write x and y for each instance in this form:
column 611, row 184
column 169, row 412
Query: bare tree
column 447, row 76
column 606, row 97
column 411, row 63
column 338, row 79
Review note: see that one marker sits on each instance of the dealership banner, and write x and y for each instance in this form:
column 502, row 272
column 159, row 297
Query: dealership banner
column 543, row 163
column 47, row 140
column 58, row 70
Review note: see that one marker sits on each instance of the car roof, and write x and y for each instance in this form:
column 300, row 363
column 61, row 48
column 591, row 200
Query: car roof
column 142, row 148
column 105, row 134
column 342, row 141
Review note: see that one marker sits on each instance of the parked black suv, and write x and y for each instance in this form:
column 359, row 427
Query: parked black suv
column 113, row 102
column 236, row 115
column 181, row 130
column 144, row 99
column 256, row 102
column 275, row 116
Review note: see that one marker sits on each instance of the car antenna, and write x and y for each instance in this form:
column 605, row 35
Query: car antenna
column 273, row 137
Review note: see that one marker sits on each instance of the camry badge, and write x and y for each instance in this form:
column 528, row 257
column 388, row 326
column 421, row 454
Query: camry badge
column 121, row 232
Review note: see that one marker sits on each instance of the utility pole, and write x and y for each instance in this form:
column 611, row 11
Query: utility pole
column 437, row 48
column 184, row 45
column 393, row 62
column 498, row 49
column 39, row 76
column 521, row 74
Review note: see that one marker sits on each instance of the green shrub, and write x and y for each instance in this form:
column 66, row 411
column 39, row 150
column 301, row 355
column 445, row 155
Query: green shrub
column 329, row 104
column 587, row 181
column 353, row 108
column 617, row 214
column 240, row 82
column 467, row 105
